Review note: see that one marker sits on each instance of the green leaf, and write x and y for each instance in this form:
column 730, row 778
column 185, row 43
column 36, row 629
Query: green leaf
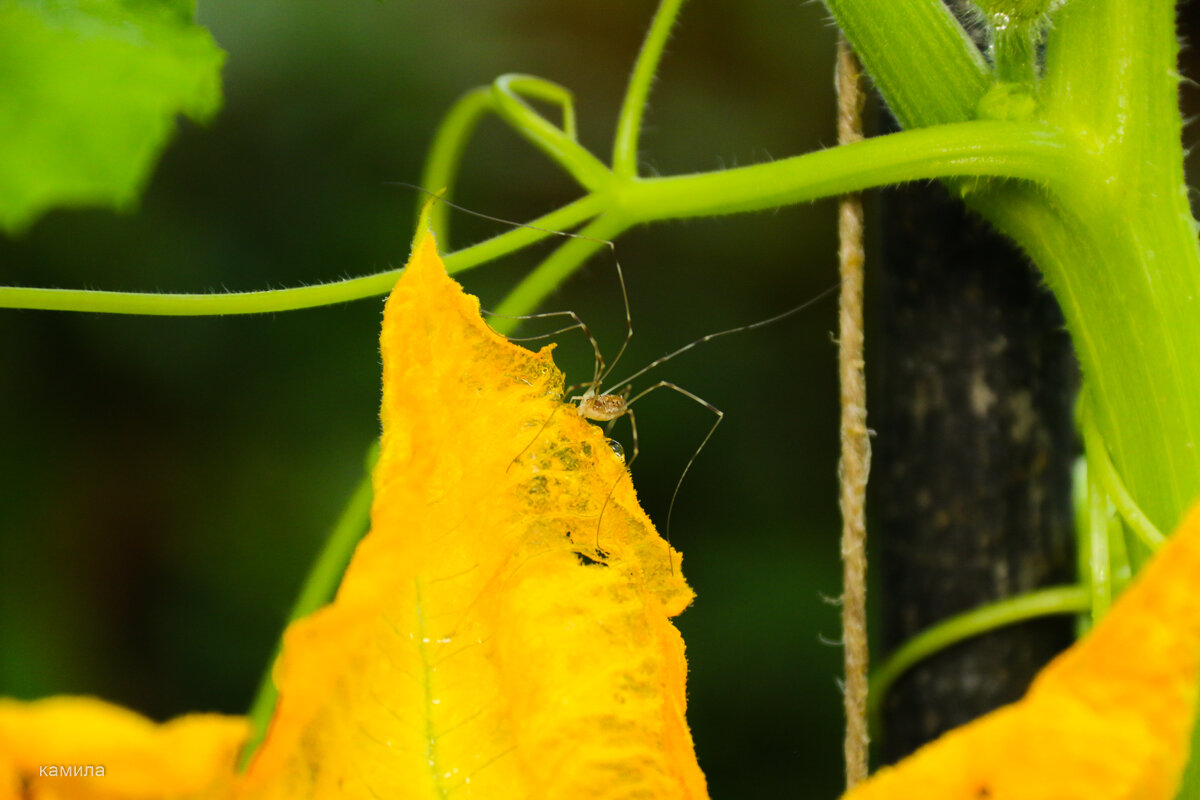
column 89, row 90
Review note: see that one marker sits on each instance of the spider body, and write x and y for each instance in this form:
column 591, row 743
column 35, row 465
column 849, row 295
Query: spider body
column 602, row 407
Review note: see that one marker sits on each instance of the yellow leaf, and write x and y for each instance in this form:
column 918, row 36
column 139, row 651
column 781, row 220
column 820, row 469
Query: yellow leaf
column 1109, row 719
column 503, row 631
column 48, row 746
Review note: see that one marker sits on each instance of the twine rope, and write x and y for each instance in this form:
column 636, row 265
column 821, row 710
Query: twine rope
column 855, row 462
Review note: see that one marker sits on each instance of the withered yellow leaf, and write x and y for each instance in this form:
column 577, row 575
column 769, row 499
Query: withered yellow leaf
column 1109, row 719
column 496, row 635
column 53, row 748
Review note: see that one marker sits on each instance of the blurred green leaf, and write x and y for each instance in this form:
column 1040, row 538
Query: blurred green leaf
column 88, row 94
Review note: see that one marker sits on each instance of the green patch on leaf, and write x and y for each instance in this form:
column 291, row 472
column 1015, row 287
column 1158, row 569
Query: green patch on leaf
column 89, row 90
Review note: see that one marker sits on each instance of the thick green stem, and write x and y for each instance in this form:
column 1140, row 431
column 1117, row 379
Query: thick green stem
column 1117, row 244
column 918, row 56
column 1133, row 302
column 1009, row 149
column 1130, row 299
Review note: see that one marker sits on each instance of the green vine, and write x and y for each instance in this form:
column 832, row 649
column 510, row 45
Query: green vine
column 1041, row 603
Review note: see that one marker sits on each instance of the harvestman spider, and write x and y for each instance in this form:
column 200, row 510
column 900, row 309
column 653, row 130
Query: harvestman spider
column 609, row 405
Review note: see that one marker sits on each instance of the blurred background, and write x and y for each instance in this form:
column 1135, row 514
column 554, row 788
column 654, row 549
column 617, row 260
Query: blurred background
column 167, row 482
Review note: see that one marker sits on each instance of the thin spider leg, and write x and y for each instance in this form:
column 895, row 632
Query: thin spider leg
column 634, row 434
column 538, row 315
column 720, row 416
column 628, row 464
column 628, row 412
column 603, row 508
column 711, row 336
column 437, row 197
column 536, row 436
column 539, row 336
column 628, row 322
column 579, row 323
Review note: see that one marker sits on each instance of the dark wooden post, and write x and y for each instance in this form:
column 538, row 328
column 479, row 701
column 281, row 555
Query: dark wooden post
column 973, row 408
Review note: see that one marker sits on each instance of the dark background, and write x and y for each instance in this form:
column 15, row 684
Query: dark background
column 165, row 483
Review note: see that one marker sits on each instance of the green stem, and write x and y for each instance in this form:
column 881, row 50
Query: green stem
column 1081, row 520
column 503, row 98
column 198, row 305
column 1044, row 602
column 633, row 108
column 273, row 300
column 1099, row 573
column 558, row 144
column 1120, row 568
column 1101, row 466
column 319, row 587
column 1004, row 149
